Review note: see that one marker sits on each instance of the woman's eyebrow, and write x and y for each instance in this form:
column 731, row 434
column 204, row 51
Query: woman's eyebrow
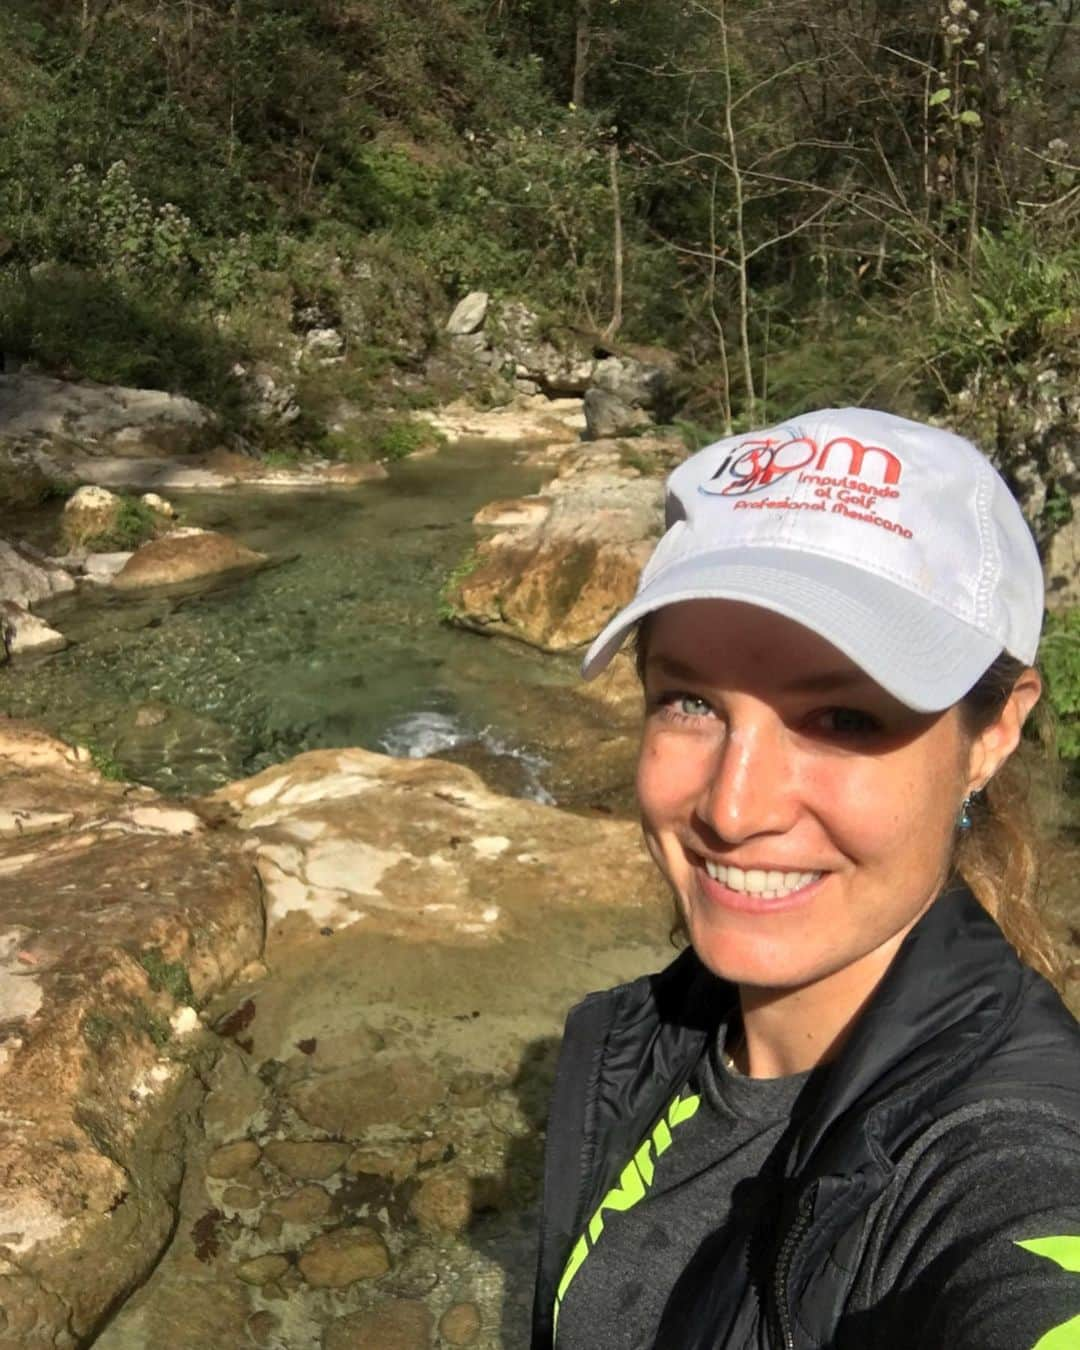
column 819, row 681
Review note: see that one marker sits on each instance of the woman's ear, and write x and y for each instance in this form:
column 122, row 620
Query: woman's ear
column 995, row 743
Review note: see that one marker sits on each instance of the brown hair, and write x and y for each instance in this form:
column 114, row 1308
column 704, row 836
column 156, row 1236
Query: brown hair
column 998, row 858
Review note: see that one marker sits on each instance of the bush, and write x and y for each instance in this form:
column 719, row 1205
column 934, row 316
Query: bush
column 1060, row 660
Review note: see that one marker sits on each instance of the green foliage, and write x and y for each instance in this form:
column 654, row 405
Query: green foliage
column 91, row 326
column 135, row 523
column 1021, row 294
column 1059, row 657
column 170, row 977
column 447, row 607
column 106, row 762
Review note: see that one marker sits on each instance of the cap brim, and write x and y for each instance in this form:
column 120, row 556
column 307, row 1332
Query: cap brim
column 926, row 658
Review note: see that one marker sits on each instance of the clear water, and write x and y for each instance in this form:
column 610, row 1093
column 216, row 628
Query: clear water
column 339, row 643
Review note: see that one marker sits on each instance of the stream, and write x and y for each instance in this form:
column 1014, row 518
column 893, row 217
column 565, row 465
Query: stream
column 339, row 643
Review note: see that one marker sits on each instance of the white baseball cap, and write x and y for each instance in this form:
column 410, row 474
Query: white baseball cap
column 899, row 543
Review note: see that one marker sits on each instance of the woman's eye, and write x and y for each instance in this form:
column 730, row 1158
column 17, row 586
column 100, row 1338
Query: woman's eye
column 848, row 722
column 682, row 706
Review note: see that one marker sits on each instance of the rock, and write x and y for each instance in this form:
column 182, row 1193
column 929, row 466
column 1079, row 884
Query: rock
column 96, row 1113
column 232, row 1160
column 349, row 1101
column 1062, row 565
column 185, row 555
column 263, row 1269
column 27, row 477
column 396, row 1163
column 158, row 505
column 23, row 634
column 398, row 1324
column 101, row 568
column 469, row 314
column 151, row 715
column 306, row 1205
column 26, row 577
column 324, row 344
column 339, row 1258
column 460, row 1324
column 524, row 419
column 443, row 1204
column 306, row 1160
column 127, row 421
column 270, row 1226
column 88, row 513
column 558, row 370
column 554, row 583
column 371, row 840
column 273, row 397
column 607, row 415
column 241, row 1197
column 634, row 383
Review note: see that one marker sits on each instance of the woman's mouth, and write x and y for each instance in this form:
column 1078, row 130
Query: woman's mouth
column 751, row 887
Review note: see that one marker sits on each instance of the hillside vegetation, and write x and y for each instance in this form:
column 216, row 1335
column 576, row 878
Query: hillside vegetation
column 817, row 202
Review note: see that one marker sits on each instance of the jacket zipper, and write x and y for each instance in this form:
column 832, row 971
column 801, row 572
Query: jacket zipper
column 792, row 1238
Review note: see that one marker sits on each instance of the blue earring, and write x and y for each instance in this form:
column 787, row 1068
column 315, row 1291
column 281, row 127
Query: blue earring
column 964, row 821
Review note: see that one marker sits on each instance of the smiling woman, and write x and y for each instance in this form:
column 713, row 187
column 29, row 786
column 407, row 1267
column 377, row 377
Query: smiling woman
column 848, row 1115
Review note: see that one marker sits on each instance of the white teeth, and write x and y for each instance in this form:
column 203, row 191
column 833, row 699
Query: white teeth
column 754, row 881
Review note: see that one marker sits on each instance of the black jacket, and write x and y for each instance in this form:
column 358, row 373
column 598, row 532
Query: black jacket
column 957, row 1020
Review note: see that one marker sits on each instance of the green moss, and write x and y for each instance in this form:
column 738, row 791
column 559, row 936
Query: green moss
column 98, row 1030
column 447, row 608
column 106, row 763
column 135, row 523
column 1059, row 657
column 150, row 1024
column 170, row 977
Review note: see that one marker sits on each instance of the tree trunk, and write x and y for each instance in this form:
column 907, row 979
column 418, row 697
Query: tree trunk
column 582, row 42
column 616, row 206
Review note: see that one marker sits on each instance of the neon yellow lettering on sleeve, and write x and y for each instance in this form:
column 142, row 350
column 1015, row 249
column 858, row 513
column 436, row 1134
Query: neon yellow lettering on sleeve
column 624, row 1196
column 1063, row 1337
column 661, row 1137
column 577, row 1256
column 644, row 1162
column 682, row 1108
column 1064, row 1251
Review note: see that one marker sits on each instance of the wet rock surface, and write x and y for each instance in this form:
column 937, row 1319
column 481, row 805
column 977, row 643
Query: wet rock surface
column 562, row 562
column 337, row 1143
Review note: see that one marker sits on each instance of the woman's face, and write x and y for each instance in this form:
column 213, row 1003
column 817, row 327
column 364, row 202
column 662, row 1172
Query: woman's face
column 803, row 817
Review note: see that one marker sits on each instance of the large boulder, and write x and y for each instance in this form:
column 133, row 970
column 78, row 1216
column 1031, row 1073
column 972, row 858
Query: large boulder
column 27, row 576
column 1062, row 565
column 121, row 914
column 37, row 409
column 625, row 394
column 564, row 561
column 185, row 555
column 560, row 368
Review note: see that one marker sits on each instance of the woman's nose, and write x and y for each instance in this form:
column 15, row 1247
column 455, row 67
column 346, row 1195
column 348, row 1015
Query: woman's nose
column 751, row 788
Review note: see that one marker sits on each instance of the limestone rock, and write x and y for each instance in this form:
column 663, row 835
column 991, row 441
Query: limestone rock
column 554, row 583
column 23, row 634
column 460, row 1324
column 1062, row 565
column 339, row 1258
column 263, row 1269
column 95, row 1111
column 306, row 1160
column 158, row 505
column 607, row 415
column 27, row 577
column 101, row 568
column 398, row 1324
column 559, row 369
column 89, row 512
column 444, row 1202
column 396, row 1163
column 306, row 1205
column 232, row 1160
column 184, row 555
column 348, row 836
column 126, row 421
column 469, row 314
column 634, row 383
column 348, row 1101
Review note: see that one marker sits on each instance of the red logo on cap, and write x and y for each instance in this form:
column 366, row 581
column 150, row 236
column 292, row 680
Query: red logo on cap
column 756, row 464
